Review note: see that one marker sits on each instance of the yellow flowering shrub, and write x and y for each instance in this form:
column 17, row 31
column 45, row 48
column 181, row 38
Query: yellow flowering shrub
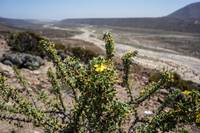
column 95, row 107
column 142, row 91
column 100, row 68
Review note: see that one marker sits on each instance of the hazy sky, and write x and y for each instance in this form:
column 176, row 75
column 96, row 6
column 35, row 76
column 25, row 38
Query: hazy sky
column 62, row 9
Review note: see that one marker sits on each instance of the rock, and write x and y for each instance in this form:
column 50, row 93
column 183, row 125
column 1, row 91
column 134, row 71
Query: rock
column 172, row 89
column 17, row 61
column 7, row 74
column 167, row 108
column 59, row 51
column 7, row 62
column 161, row 100
column 155, row 98
column 1, row 59
column 146, row 82
column 121, row 84
column 148, row 112
column 27, row 57
column 35, row 64
column 164, row 92
column 36, row 72
column 144, row 73
column 9, row 104
column 63, row 56
column 20, row 90
column 5, row 68
column 144, row 78
column 44, row 85
column 142, row 84
column 30, row 67
column 22, row 60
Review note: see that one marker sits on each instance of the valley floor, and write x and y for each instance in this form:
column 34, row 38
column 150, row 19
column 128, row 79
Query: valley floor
column 187, row 67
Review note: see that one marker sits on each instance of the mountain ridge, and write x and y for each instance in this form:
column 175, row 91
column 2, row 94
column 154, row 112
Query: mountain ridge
column 163, row 23
column 13, row 22
column 189, row 11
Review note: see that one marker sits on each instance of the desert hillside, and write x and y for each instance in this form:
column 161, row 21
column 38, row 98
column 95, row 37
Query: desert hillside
column 189, row 11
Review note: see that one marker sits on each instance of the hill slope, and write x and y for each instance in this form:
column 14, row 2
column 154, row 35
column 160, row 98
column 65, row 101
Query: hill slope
column 13, row 22
column 170, row 24
column 190, row 11
column 7, row 28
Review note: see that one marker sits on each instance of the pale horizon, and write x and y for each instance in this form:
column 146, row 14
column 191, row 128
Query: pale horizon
column 77, row 9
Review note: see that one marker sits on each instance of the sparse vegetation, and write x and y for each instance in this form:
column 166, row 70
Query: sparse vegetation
column 95, row 106
column 27, row 42
column 178, row 82
column 162, row 23
column 83, row 54
column 51, row 33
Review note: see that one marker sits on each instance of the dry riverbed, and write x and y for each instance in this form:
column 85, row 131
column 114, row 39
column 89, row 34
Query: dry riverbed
column 187, row 67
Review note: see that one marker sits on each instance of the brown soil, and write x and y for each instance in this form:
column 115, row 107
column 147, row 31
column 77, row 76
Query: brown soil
column 38, row 78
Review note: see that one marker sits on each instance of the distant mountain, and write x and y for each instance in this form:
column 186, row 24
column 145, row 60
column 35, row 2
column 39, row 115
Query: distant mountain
column 189, row 11
column 8, row 28
column 13, row 22
column 41, row 21
column 164, row 23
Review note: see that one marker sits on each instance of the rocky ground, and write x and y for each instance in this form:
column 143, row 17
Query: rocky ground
column 38, row 78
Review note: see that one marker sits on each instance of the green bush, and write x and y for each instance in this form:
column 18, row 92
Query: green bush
column 95, row 107
column 155, row 77
column 27, row 42
column 178, row 82
column 83, row 54
column 60, row 47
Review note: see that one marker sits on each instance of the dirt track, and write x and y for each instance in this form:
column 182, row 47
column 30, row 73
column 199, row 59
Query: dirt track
column 187, row 67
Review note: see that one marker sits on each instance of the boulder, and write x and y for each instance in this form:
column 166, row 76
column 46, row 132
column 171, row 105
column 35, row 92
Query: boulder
column 22, row 60
column 7, row 62
column 62, row 54
column 16, row 60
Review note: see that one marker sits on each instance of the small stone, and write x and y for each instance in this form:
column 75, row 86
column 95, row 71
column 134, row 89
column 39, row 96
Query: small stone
column 146, row 82
column 44, row 85
column 36, row 72
column 164, row 92
column 7, row 74
column 20, row 90
column 148, row 112
column 9, row 104
column 161, row 100
column 71, row 95
column 144, row 78
column 167, row 108
column 142, row 83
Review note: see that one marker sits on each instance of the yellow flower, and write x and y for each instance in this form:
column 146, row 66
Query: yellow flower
column 199, row 102
column 163, row 72
column 100, row 68
column 142, row 91
column 198, row 118
column 129, row 52
column 186, row 92
column 96, row 65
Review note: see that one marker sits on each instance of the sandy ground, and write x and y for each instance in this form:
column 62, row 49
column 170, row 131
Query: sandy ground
column 147, row 58
column 187, row 67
